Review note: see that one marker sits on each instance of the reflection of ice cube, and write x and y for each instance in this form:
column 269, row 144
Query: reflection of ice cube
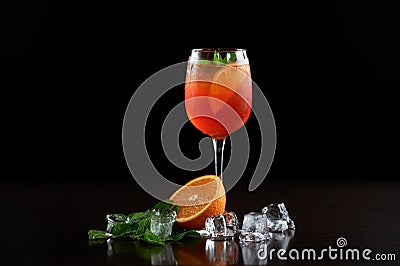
column 254, row 228
column 254, row 253
column 278, row 217
column 164, row 257
column 281, row 240
column 222, row 226
column 222, row 252
column 254, row 237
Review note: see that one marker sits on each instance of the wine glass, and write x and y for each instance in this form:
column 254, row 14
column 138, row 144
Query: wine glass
column 218, row 94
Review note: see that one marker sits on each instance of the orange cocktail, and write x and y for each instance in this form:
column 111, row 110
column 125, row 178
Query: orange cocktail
column 218, row 97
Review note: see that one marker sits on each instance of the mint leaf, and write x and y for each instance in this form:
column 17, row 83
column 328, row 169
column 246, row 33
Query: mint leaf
column 135, row 216
column 143, row 226
column 124, row 229
column 218, row 57
column 229, row 58
column 179, row 235
column 151, row 238
column 166, row 205
column 116, row 217
column 97, row 234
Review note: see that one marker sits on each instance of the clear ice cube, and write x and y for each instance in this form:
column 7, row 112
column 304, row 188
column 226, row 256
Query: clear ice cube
column 222, row 226
column 291, row 224
column 161, row 222
column 232, row 222
column 254, row 228
column 278, row 217
column 113, row 219
column 277, row 226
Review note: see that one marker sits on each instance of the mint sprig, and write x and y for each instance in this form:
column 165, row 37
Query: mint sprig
column 229, row 58
column 137, row 227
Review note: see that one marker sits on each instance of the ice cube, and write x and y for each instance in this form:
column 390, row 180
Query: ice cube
column 232, row 221
column 222, row 226
column 113, row 219
column 161, row 222
column 254, row 228
column 278, row 217
column 291, row 224
column 277, row 226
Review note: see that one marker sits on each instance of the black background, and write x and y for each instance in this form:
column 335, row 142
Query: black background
column 330, row 71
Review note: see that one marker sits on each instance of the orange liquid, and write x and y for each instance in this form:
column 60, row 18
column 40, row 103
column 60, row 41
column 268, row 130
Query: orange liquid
column 215, row 109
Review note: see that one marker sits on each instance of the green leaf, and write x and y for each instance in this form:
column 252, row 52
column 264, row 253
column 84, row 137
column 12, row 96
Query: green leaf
column 217, row 57
column 113, row 219
column 98, row 234
column 229, row 58
column 124, row 229
column 117, row 217
column 151, row 238
column 179, row 235
column 166, row 205
column 135, row 216
column 143, row 226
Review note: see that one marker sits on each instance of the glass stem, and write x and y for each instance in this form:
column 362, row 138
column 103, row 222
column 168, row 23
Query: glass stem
column 219, row 156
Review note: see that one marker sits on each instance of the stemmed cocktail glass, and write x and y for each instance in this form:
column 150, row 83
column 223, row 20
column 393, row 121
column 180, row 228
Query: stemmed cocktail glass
column 218, row 94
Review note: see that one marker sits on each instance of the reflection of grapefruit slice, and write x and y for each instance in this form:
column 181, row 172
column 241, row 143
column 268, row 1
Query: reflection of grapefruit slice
column 194, row 255
column 224, row 84
column 199, row 199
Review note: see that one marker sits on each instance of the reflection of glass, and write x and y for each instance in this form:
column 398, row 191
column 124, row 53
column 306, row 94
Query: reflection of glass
column 252, row 253
column 218, row 94
column 222, row 252
column 162, row 222
column 164, row 257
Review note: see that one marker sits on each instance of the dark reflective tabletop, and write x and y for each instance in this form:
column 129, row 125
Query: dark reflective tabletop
column 47, row 224
column 194, row 252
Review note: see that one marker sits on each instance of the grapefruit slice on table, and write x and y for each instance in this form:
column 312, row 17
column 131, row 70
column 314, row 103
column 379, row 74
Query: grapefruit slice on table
column 199, row 199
